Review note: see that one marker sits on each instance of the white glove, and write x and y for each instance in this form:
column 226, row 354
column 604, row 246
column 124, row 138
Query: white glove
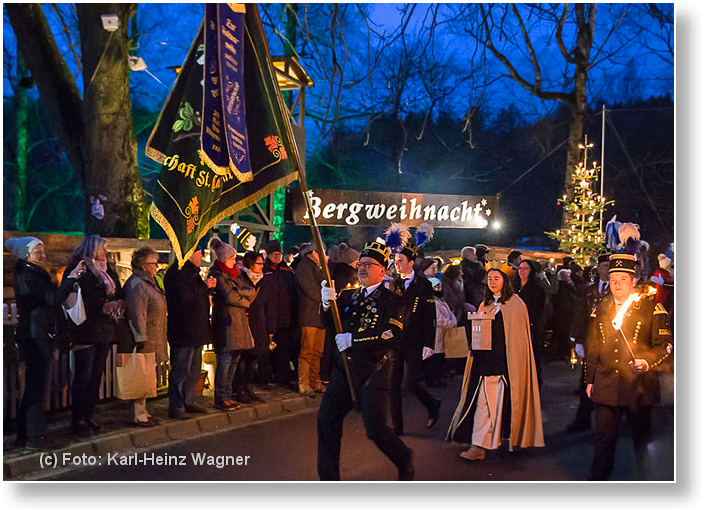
column 328, row 293
column 579, row 350
column 427, row 352
column 344, row 341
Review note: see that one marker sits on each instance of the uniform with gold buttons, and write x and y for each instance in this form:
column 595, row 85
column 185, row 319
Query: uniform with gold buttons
column 646, row 326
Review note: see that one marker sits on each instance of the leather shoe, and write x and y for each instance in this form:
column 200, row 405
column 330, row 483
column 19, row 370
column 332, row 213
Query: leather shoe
column 95, row 426
column 407, row 473
column 153, row 419
column 253, row 396
column 81, row 430
column 578, row 426
column 243, row 398
column 144, row 424
column 178, row 414
column 434, row 414
column 195, row 409
column 307, row 392
column 474, row 453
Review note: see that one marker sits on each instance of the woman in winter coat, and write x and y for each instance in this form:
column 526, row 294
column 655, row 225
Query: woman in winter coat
column 231, row 332
column 533, row 295
column 261, row 320
column 147, row 316
column 453, row 293
column 434, row 366
column 40, row 317
column 500, row 398
column 92, row 341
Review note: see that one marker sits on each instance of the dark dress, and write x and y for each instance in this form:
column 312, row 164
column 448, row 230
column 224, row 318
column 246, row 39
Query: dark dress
column 94, row 339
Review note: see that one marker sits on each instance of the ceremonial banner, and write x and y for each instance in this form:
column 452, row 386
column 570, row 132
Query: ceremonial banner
column 223, row 138
column 373, row 208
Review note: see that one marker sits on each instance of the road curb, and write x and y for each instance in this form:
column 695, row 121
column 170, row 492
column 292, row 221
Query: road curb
column 26, row 464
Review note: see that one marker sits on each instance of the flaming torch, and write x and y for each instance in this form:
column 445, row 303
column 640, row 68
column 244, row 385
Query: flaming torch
column 617, row 322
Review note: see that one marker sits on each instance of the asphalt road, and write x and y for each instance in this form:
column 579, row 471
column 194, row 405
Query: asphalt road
column 285, row 449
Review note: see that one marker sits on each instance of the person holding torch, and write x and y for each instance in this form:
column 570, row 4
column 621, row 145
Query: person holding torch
column 628, row 338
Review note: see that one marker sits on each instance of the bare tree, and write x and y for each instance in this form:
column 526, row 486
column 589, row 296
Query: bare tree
column 94, row 128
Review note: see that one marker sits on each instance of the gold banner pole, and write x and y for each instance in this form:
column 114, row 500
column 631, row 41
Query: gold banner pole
column 316, row 234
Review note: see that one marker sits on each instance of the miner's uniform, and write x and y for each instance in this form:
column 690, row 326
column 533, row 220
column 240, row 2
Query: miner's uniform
column 617, row 389
column 594, row 292
column 375, row 321
column 419, row 332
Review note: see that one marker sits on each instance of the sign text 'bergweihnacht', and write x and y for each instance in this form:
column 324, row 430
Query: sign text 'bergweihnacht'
column 373, row 208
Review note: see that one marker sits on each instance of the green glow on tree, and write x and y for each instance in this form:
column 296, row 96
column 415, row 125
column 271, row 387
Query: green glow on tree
column 278, row 212
column 582, row 235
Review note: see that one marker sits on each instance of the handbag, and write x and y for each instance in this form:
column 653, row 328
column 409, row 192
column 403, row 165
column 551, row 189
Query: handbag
column 455, row 343
column 136, row 375
column 74, row 308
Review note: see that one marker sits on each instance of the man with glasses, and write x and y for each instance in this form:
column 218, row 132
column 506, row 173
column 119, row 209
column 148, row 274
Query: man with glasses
column 371, row 318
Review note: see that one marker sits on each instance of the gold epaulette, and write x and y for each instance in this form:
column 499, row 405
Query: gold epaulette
column 396, row 322
column 659, row 309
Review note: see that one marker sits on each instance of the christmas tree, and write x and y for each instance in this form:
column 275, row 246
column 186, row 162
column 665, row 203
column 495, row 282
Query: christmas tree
column 582, row 234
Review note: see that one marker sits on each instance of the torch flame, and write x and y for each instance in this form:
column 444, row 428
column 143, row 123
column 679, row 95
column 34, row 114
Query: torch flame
column 618, row 320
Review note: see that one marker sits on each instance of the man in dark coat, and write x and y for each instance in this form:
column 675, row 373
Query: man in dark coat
column 595, row 291
column 418, row 338
column 473, row 276
column 371, row 318
column 187, row 297
column 308, row 277
column 280, row 279
column 621, row 362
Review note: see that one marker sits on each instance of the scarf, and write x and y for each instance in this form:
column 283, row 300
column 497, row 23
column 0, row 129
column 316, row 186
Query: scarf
column 253, row 276
column 231, row 271
column 99, row 269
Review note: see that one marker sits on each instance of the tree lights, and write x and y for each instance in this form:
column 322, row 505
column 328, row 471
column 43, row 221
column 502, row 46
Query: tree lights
column 582, row 234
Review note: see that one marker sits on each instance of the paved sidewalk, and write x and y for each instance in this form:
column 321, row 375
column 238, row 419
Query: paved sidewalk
column 119, row 435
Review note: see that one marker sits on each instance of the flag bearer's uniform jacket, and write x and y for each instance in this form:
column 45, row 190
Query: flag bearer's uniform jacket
column 646, row 326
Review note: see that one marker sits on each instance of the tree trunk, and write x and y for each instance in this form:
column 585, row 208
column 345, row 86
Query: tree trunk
column 96, row 132
column 21, row 134
column 110, row 144
column 59, row 92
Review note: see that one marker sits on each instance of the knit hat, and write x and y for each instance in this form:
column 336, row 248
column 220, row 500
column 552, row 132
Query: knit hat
column 307, row 248
column 334, row 254
column 273, row 246
column 665, row 263
column 22, row 246
column 347, row 254
column 481, row 250
column 222, row 250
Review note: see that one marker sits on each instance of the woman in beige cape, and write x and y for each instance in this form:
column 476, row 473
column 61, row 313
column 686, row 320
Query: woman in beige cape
column 500, row 398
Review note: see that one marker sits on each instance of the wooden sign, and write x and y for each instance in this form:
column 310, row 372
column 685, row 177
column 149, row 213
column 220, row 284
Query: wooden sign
column 374, row 208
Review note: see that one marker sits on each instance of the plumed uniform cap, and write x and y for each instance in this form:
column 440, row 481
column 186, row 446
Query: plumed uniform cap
column 410, row 251
column 377, row 252
column 622, row 262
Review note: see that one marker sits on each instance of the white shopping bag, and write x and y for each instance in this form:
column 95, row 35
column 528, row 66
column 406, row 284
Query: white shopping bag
column 74, row 308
